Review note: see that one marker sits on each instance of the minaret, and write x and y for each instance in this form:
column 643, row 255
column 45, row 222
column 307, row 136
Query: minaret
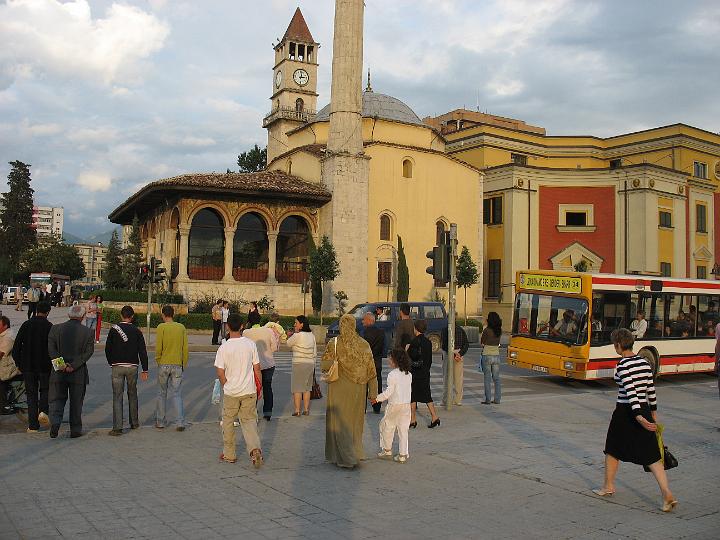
column 294, row 97
column 346, row 169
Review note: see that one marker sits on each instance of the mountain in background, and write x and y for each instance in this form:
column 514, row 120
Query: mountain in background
column 102, row 238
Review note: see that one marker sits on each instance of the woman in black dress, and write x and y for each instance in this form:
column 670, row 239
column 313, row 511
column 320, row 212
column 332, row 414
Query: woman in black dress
column 631, row 434
column 420, row 352
column 253, row 315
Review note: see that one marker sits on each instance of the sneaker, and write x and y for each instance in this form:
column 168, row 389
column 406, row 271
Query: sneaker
column 400, row 458
column 385, row 454
column 76, row 434
column 44, row 419
column 159, row 425
column 115, row 432
column 31, row 430
column 256, row 458
column 236, row 423
column 227, row 460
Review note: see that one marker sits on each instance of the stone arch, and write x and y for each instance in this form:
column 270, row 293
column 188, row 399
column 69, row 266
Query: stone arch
column 310, row 220
column 293, row 248
column 251, row 248
column 221, row 209
column 441, row 224
column 174, row 218
column 261, row 211
column 206, row 245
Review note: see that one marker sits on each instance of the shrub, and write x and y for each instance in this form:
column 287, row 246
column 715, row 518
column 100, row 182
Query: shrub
column 121, row 295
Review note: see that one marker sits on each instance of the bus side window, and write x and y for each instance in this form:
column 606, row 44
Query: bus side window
column 656, row 320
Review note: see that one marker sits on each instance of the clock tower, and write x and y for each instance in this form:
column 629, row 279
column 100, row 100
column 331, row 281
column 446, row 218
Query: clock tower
column 294, row 85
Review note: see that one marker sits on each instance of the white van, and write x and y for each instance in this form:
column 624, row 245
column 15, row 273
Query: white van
column 11, row 292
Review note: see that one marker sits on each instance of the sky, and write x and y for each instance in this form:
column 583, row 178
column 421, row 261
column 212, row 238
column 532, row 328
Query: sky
column 102, row 97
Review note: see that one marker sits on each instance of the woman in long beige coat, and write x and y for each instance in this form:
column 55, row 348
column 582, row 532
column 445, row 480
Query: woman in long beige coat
column 345, row 418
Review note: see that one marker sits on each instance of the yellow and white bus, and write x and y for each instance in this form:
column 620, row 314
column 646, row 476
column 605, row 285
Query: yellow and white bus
column 562, row 322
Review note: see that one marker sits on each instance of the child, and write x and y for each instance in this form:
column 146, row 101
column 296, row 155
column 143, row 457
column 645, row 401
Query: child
column 397, row 411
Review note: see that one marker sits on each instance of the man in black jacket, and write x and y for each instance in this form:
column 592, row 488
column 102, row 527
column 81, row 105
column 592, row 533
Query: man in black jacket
column 125, row 350
column 75, row 343
column 376, row 338
column 460, row 349
column 31, row 356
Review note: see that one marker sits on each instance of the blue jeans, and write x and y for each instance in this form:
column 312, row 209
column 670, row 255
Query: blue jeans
column 169, row 374
column 491, row 372
column 91, row 323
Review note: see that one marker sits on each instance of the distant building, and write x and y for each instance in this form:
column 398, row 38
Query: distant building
column 48, row 220
column 94, row 258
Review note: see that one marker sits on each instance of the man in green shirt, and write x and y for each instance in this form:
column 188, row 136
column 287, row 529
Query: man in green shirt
column 171, row 355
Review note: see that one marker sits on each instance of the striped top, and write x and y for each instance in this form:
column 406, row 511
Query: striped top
column 634, row 376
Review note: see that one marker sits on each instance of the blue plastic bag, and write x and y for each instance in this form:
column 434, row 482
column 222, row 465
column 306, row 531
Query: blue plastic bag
column 216, row 392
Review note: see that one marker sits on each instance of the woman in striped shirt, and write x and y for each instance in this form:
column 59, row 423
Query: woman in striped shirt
column 631, row 434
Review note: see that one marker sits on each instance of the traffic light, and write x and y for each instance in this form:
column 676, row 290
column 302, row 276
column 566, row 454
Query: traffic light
column 144, row 273
column 157, row 271
column 440, row 269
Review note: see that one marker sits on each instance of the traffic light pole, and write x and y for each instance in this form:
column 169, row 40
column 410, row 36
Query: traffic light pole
column 450, row 361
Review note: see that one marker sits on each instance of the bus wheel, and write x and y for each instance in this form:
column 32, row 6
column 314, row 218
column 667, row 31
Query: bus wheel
column 435, row 340
column 652, row 359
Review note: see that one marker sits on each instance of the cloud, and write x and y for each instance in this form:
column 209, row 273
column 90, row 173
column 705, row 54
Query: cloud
column 63, row 38
column 94, row 180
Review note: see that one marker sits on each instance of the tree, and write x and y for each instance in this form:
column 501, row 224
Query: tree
column 323, row 266
column 403, row 279
column 52, row 255
column 132, row 257
column 113, row 275
column 467, row 274
column 16, row 219
column 253, row 160
column 581, row 266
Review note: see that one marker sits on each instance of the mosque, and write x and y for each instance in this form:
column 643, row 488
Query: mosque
column 367, row 172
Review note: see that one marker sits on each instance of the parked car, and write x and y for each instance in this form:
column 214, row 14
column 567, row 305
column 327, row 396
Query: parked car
column 433, row 312
column 10, row 295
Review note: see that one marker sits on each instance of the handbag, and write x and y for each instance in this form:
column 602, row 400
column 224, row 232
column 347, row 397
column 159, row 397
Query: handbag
column 669, row 461
column 315, row 392
column 331, row 375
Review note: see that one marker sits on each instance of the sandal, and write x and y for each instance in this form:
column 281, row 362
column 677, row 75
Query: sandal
column 603, row 493
column 296, row 414
column 669, row 505
column 226, row 460
column 306, row 413
column 256, row 458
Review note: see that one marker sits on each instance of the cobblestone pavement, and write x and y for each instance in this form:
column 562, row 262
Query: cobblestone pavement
column 521, row 469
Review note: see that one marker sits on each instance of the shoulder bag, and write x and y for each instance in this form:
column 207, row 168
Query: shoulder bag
column 315, row 392
column 331, row 375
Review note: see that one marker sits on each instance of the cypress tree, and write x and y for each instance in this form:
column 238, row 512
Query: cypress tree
column 403, row 280
column 17, row 233
column 113, row 276
column 132, row 256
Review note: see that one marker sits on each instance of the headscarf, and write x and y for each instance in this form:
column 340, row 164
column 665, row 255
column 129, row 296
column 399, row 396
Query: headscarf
column 354, row 356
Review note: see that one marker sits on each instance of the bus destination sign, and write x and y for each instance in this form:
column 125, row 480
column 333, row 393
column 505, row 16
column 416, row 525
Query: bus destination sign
column 542, row 282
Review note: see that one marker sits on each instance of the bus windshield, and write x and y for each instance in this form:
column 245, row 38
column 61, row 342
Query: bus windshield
column 552, row 318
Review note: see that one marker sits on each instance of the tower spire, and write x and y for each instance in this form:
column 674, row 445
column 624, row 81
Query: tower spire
column 368, row 88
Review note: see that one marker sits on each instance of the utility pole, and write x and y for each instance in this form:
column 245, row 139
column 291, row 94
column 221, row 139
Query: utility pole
column 151, row 281
column 450, row 364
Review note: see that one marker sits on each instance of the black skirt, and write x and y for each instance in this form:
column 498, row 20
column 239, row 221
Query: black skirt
column 628, row 441
column 420, row 389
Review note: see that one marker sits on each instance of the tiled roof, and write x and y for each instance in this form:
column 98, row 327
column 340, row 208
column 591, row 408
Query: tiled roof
column 264, row 184
column 298, row 29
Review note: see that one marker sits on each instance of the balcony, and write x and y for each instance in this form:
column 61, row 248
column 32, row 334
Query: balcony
column 288, row 113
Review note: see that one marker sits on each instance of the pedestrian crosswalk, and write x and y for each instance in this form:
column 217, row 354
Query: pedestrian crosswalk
column 473, row 385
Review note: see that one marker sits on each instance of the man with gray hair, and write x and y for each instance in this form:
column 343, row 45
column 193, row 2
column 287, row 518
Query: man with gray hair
column 74, row 343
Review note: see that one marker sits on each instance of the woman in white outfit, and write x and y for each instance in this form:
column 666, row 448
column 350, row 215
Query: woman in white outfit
column 304, row 349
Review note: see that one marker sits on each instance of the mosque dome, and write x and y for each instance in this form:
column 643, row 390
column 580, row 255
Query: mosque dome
column 379, row 106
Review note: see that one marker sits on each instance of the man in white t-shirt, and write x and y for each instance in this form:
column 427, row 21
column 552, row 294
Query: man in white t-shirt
column 238, row 366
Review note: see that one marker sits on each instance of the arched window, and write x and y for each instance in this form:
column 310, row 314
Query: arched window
column 407, row 168
column 250, row 249
column 293, row 250
column 384, row 227
column 299, row 105
column 289, row 166
column 439, row 233
column 206, row 246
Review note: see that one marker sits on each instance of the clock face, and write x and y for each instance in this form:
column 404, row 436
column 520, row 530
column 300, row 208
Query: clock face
column 278, row 79
column 301, row 77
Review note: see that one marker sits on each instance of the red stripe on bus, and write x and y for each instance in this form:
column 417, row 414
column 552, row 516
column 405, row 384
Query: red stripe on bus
column 666, row 283
column 664, row 361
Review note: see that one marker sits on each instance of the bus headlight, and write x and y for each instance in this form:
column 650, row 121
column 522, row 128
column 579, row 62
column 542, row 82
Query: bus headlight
column 513, row 354
column 569, row 366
